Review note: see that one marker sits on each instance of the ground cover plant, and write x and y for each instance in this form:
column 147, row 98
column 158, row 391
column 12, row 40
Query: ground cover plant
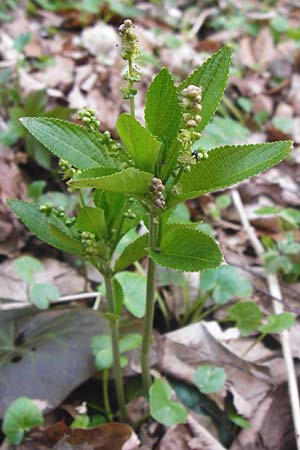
column 155, row 168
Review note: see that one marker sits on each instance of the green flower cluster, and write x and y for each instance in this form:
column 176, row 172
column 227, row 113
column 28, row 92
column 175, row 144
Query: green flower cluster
column 157, row 188
column 130, row 52
column 49, row 209
column 88, row 118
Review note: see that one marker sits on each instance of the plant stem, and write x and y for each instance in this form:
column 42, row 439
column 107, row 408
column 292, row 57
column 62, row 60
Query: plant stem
column 131, row 84
column 150, row 303
column 105, row 395
column 115, row 347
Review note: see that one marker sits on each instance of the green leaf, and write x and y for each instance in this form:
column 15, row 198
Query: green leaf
column 19, row 418
column 212, row 77
column 240, row 421
column 228, row 165
column 134, row 288
column 21, row 41
column 36, row 188
column 102, row 349
column 247, row 316
column 225, row 283
column 187, row 250
column 209, row 379
column 75, row 144
column 278, row 323
column 92, row 220
column 130, row 181
column 133, row 252
column 81, row 421
column 42, row 294
column 38, row 223
column 163, row 110
column 140, row 143
column 119, row 295
column 162, row 408
column 26, row 266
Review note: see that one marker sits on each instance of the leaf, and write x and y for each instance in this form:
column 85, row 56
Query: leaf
column 132, row 253
column 140, row 143
column 26, row 266
column 134, row 288
column 48, row 356
column 130, row 181
column 209, row 379
column 42, row 294
column 75, row 144
column 228, row 165
column 163, row 110
column 247, row 316
column 19, row 418
column 67, row 242
column 102, row 349
column 92, row 220
column 187, row 250
column 162, row 408
column 38, row 223
column 225, row 283
column 278, row 323
column 212, row 77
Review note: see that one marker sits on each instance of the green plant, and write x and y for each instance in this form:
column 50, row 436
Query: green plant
column 40, row 294
column 155, row 169
column 22, row 415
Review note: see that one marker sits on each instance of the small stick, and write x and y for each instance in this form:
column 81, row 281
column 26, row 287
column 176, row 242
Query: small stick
column 275, row 292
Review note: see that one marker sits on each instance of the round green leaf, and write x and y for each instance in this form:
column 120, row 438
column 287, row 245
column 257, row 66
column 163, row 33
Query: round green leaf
column 19, row 418
column 26, row 266
column 209, row 379
column 162, row 408
column 42, row 294
column 247, row 316
column 134, row 289
column 278, row 323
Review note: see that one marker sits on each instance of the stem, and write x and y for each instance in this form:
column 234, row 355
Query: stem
column 105, row 395
column 131, row 84
column 150, row 302
column 159, row 298
column 114, row 326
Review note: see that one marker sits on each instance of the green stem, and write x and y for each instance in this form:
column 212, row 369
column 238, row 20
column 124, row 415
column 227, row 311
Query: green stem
column 131, row 84
column 159, row 298
column 115, row 347
column 150, row 303
column 106, row 396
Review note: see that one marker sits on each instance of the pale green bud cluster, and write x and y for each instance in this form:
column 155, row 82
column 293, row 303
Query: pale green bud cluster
column 89, row 244
column 191, row 104
column 130, row 52
column 129, row 214
column 112, row 146
column 157, row 188
column 66, row 169
column 49, row 209
column 88, row 118
column 129, row 40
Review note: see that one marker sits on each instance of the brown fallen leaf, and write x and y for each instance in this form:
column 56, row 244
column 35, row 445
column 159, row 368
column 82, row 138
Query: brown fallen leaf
column 116, row 436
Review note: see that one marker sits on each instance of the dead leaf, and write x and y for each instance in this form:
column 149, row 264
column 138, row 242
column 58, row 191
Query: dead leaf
column 116, row 436
column 51, row 351
column 264, row 49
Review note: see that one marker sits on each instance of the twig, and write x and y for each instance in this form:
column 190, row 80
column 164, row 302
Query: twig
column 65, row 298
column 275, row 291
column 200, row 21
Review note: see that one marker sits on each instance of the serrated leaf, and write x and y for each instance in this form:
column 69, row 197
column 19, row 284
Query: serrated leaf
column 140, row 143
column 133, row 252
column 247, row 316
column 66, row 241
column 212, row 77
column 278, row 323
column 228, row 165
column 26, row 266
column 75, row 144
column 130, row 181
column 162, row 408
column 188, row 250
column 42, row 294
column 92, row 220
column 209, row 379
column 38, row 223
column 163, row 110
column 134, row 288
column 19, row 418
